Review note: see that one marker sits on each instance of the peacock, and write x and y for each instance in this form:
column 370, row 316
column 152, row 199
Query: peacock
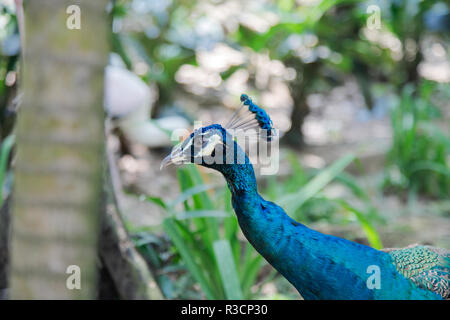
column 318, row 265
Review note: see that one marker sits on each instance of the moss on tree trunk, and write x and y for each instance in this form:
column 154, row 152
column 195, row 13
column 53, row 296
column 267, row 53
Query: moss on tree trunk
column 60, row 145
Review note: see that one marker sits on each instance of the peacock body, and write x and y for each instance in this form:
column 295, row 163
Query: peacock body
column 319, row 266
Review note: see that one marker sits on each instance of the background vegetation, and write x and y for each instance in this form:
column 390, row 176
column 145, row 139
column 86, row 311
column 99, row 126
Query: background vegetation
column 363, row 113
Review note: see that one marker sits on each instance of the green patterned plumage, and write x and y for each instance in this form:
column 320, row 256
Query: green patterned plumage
column 428, row 267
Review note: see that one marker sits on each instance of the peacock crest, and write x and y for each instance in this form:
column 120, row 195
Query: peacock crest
column 251, row 116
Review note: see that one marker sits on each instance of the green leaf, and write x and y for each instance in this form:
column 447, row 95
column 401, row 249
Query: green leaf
column 369, row 230
column 286, row 5
column 299, row 175
column 293, row 202
column 188, row 258
column 201, row 214
column 4, row 156
column 435, row 133
column 431, row 166
column 352, row 184
column 193, row 191
column 251, row 266
column 202, row 197
column 227, row 269
column 160, row 202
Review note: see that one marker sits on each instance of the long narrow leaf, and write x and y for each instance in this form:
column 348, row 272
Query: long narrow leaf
column 369, row 230
column 201, row 214
column 196, row 271
column 193, row 191
column 227, row 269
column 431, row 166
column 293, row 202
column 4, row 156
column 156, row 200
column 250, row 272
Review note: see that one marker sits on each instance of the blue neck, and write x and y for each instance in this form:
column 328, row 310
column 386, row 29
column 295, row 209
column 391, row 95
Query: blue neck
column 318, row 265
column 241, row 180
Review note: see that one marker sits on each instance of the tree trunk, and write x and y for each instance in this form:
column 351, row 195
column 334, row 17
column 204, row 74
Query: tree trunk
column 4, row 243
column 60, row 145
column 299, row 89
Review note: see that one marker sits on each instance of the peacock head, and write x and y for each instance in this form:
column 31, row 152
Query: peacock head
column 208, row 146
column 215, row 146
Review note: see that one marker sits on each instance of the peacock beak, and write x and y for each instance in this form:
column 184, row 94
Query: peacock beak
column 175, row 157
column 166, row 162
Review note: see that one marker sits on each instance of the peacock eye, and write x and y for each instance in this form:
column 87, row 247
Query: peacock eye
column 198, row 142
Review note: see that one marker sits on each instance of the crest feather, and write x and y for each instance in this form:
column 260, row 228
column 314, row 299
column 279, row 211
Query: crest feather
column 251, row 116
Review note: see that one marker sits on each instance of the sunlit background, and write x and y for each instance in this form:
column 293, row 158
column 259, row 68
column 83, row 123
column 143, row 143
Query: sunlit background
column 336, row 79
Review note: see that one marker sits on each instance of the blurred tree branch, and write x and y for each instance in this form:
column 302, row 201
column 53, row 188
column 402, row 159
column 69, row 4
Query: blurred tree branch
column 127, row 268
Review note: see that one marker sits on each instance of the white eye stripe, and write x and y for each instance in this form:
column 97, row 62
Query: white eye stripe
column 194, row 140
column 209, row 148
column 187, row 145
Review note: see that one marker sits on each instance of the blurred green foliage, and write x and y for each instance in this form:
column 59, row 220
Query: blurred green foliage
column 5, row 154
column 157, row 43
column 419, row 161
column 205, row 233
column 9, row 57
column 206, row 238
column 325, row 42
